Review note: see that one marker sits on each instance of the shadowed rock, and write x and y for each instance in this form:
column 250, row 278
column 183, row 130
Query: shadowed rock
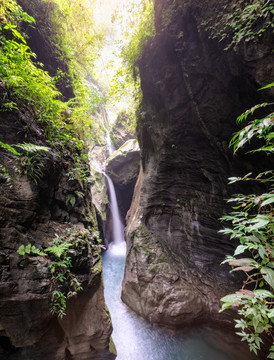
column 193, row 90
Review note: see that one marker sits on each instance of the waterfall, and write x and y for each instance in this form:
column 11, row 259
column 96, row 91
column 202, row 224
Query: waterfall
column 118, row 245
column 135, row 339
column 110, row 147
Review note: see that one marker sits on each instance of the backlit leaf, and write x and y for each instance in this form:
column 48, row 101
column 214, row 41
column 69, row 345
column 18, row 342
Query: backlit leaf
column 268, row 275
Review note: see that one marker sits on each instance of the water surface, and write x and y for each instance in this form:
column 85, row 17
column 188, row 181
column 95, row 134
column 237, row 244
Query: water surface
column 135, row 339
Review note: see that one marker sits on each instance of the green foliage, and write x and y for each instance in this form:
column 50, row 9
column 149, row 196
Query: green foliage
column 69, row 25
column 25, row 80
column 141, row 30
column 76, row 41
column 31, row 148
column 71, row 200
column 11, row 11
column 241, row 21
column 30, row 250
column 61, row 251
column 5, row 176
column 253, row 225
column 9, row 148
column 125, row 83
column 80, row 172
column 31, row 162
column 24, row 84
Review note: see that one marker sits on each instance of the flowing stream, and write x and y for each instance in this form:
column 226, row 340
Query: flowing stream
column 134, row 338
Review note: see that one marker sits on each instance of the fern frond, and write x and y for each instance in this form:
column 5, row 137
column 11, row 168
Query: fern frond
column 9, row 148
column 29, row 147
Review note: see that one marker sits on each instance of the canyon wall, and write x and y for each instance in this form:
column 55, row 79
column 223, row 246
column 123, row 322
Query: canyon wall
column 45, row 198
column 193, row 90
column 35, row 212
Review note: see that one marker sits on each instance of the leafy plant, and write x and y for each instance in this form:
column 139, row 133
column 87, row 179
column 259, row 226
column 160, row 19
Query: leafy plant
column 31, row 163
column 62, row 249
column 30, row 249
column 242, row 21
column 76, row 40
column 22, row 78
column 5, row 176
column 253, row 225
column 81, row 173
column 71, row 200
column 125, row 84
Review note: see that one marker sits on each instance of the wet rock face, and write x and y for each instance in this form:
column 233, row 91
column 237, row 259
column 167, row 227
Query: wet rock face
column 123, row 168
column 193, row 91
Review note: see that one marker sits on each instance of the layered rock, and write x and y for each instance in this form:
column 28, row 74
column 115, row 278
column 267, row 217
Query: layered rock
column 43, row 196
column 35, row 212
column 193, row 91
column 123, row 168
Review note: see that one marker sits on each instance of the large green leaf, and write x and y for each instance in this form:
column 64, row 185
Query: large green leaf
column 243, row 262
column 259, row 223
column 268, row 275
column 240, row 249
column 268, row 201
column 263, row 293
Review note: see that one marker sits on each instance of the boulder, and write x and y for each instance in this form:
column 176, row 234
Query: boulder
column 123, row 168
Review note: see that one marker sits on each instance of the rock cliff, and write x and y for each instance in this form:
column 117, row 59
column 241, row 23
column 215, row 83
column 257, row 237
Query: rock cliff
column 46, row 210
column 35, row 212
column 193, row 90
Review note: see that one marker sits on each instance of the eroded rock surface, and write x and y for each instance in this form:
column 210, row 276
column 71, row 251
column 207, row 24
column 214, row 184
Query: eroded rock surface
column 34, row 211
column 193, row 90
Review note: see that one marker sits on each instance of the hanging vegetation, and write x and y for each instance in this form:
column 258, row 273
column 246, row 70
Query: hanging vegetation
column 253, row 225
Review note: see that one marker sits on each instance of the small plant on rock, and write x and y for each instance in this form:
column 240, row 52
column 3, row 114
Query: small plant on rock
column 30, row 159
column 61, row 252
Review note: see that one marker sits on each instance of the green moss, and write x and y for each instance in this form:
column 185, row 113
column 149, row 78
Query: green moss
column 98, row 267
column 112, row 347
column 90, row 216
column 155, row 269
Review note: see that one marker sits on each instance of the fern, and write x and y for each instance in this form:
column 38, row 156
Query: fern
column 32, row 148
column 59, row 250
column 9, row 148
column 65, row 284
column 29, row 250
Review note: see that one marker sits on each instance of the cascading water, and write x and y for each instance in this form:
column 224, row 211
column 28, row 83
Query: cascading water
column 134, row 338
column 118, row 242
column 110, row 147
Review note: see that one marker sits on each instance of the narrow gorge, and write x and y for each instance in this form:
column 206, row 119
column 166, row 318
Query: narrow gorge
column 137, row 100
